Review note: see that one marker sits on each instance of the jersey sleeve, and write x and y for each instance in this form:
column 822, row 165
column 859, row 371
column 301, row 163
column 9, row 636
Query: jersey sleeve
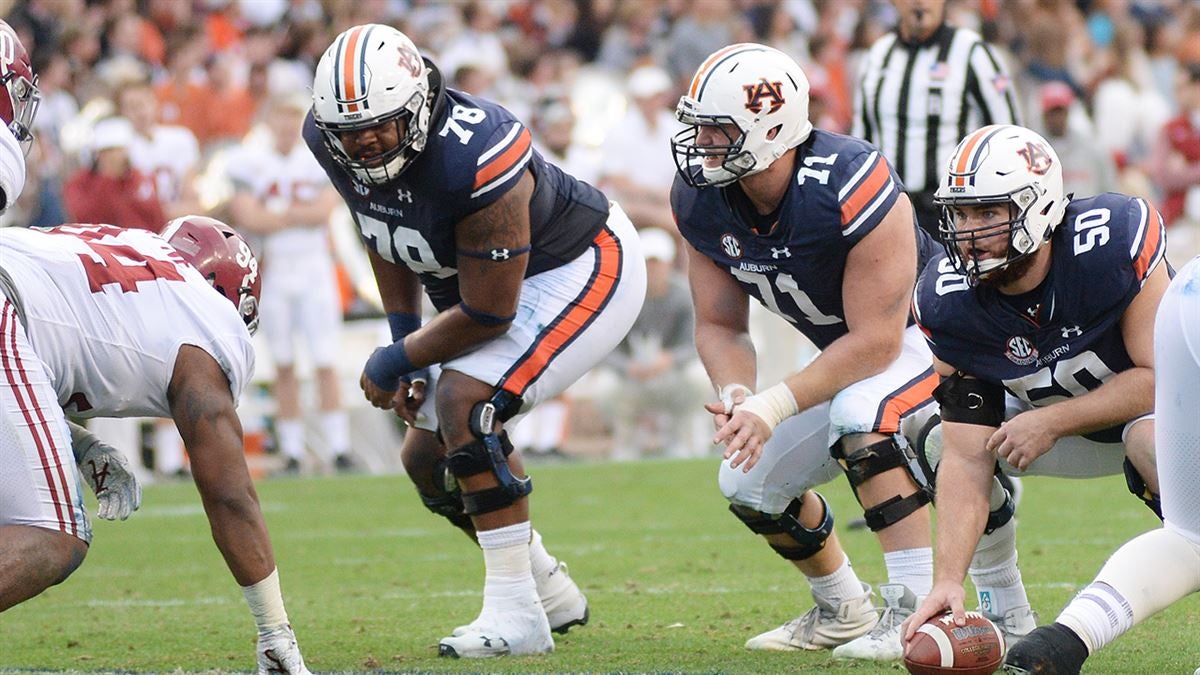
column 1148, row 244
column 868, row 193
column 502, row 161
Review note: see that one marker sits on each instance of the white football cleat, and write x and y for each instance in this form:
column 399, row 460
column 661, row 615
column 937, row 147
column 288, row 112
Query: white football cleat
column 822, row 627
column 883, row 642
column 498, row 633
column 1014, row 625
column 278, row 653
column 564, row 603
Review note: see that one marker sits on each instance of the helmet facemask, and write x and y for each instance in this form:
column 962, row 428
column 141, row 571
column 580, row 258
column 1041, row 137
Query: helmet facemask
column 962, row 246
column 386, row 166
column 737, row 163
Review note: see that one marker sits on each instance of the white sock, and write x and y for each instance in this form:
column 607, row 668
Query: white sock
column 838, row 587
column 540, row 560
column 912, row 567
column 995, row 573
column 291, row 438
column 336, row 427
column 1097, row 615
column 168, row 448
column 509, row 579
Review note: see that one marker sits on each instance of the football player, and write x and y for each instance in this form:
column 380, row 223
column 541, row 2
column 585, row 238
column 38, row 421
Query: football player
column 1040, row 314
column 102, row 321
column 1123, row 594
column 535, row 276
column 19, row 100
column 815, row 226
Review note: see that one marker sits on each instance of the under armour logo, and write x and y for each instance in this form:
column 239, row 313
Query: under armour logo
column 361, row 189
column 404, row 195
column 1032, row 311
column 99, row 477
column 500, row 254
column 1071, row 331
column 777, row 253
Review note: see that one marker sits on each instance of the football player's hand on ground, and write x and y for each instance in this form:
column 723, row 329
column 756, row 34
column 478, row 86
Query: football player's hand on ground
column 744, row 436
column 279, row 654
column 945, row 595
column 107, row 472
column 1024, row 438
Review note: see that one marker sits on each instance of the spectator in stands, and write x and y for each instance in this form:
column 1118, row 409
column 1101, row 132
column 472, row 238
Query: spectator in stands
column 553, row 126
column 282, row 194
column 109, row 189
column 633, row 171
column 168, row 153
column 659, row 392
column 1175, row 164
column 1087, row 168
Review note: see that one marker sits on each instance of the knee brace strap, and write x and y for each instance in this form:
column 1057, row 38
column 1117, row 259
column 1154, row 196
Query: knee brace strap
column 895, row 510
column 449, row 506
column 872, row 460
column 1000, row 517
column 488, row 452
column 809, row 542
column 1137, row 486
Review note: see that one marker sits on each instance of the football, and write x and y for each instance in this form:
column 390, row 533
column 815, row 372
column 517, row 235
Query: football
column 975, row 648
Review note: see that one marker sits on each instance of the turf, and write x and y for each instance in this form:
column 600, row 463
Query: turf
column 372, row 580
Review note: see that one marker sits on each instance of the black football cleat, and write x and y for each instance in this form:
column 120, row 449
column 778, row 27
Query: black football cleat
column 1048, row 650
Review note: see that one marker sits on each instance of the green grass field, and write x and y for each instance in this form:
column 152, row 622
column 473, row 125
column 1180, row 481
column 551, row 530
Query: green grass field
column 372, row 580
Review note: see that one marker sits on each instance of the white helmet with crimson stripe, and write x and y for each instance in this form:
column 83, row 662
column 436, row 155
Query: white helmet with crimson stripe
column 757, row 98
column 372, row 75
column 1007, row 165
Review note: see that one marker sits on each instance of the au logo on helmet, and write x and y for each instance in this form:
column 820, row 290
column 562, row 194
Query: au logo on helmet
column 1036, row 157
column 757, row 93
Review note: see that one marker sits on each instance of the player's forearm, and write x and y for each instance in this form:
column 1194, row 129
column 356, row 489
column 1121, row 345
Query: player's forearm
column 1127, row 395
column 849, row 359
column 962, row 508
column 448, row 335
column 728, row 355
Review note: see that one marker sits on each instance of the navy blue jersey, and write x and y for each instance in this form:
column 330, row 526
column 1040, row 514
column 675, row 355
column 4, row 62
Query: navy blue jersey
column 1062, row 339
column 476, row 151
column 793, row 260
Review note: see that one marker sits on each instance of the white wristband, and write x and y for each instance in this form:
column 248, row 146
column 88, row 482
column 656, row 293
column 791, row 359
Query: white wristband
column 266, row 603
column 726, row 395
column 772, row 405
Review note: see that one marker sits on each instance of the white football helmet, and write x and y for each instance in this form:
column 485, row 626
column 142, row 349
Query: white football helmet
column 1002, row 164
column 760, row 90
column 373, row 75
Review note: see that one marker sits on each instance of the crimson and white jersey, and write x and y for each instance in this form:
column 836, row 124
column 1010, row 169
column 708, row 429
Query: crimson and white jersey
column 107, row 310
column 167, row 156
column 280, row 180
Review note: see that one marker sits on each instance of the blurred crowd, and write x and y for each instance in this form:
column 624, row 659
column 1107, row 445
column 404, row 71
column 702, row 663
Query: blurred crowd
column 145, row 102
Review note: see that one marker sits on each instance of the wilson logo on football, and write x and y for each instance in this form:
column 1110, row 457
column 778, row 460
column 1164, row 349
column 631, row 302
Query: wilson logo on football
column 1021, row 351
column 763, row 91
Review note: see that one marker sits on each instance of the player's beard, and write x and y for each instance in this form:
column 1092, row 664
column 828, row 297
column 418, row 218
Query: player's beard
column 1009, row 274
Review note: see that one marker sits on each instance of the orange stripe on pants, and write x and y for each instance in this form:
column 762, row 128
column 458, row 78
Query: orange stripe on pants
column 573, row 320
column 906, row 399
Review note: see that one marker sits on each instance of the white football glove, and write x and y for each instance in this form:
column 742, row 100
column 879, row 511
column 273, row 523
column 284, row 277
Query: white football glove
column 279, row 654
column 107, row 472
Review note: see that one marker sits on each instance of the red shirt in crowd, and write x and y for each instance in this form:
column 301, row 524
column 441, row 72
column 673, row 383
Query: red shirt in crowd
column 130, row 201
column 1178, row 137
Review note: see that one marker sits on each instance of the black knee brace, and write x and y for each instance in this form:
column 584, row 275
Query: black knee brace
column 809, row 542
column 1000, row 517
column 449, row 506
column 488, row 452
column 885, row 455
column 1137, row 486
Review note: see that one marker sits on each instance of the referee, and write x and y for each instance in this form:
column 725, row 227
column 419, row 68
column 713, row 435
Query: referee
column 921, row 89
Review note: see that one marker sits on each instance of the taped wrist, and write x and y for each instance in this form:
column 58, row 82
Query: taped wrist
column 970, row 401
column 772, row 405
column 727, row 393
column 387, row 365
column 401, row 324
column 266, row 603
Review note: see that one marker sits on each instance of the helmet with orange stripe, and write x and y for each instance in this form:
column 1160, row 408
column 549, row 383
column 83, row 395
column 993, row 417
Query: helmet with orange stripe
column 746, row 107
column 999, row 166
column 372, row 103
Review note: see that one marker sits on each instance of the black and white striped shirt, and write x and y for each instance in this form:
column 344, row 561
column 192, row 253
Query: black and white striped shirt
column 916, row 102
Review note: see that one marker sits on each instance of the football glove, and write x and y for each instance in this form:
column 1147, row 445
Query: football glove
column 279, row 654
column 107, row 472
